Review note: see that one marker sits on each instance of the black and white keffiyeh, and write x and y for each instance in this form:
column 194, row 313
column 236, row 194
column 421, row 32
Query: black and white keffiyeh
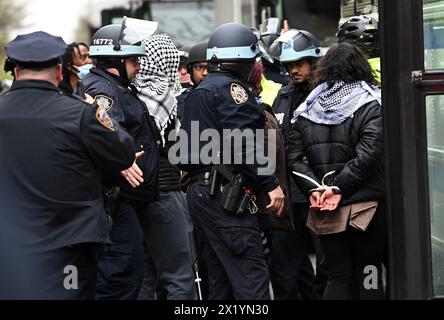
column 158, row 81
column 332, row 104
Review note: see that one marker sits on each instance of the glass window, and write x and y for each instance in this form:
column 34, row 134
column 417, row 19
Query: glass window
column 317, row 16
column 435, row 153
column 248, row 13
column 433, row 11
column 187, row 23
column 367, row 7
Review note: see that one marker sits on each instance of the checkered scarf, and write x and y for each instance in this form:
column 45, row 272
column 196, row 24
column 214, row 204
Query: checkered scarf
column 158, row 81
column 333, row 103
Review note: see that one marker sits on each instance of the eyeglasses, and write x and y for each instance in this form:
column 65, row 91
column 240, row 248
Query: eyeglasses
column 200, row 66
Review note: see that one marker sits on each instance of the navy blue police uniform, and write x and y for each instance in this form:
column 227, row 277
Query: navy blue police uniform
column 232, row 243
column 181, row 101
column 121, row 278
column 55, row 151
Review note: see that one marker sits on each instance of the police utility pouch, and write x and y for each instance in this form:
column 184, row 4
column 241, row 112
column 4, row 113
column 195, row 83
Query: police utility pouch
column 234, row 199
column 232, row 194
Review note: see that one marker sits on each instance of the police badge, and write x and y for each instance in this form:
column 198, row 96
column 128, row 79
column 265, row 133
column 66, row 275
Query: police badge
column 238, row 93
column 104, row 102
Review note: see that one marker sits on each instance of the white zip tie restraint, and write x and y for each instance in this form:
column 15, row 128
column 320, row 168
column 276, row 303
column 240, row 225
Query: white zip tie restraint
column 320, row 187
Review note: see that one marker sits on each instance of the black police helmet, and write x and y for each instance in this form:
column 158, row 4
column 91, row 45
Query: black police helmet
column 233, row 42
column 184, row 52
column 197, row 53
column 109, row 48
column 233, row 48
column 108, row 42
column 361, row 31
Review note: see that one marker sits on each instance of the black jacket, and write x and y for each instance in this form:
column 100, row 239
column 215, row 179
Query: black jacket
column 288, row 99
column 124, row 106
column 169, row 175
column 353, row 149
column 54, row 151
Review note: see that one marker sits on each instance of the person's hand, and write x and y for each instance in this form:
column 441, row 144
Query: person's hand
column 185, row 78
column 315, row 200
column 277, row 201
column 330, row 200
column 134, row 175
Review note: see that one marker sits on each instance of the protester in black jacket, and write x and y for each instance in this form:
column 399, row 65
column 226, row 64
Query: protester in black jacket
column 339, row 128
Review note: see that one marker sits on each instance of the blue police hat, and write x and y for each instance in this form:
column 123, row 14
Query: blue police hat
column 36, row 50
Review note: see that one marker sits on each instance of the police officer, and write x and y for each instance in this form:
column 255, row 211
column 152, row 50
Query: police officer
column 233, row 250
column 363, row 32
column 55, row 149
column 197, row 67
column 291, row 271
column 109, row 83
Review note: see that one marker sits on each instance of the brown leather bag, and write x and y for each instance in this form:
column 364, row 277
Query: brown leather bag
column 269, row 221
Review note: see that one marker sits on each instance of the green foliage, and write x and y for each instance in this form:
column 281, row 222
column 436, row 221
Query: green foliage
column 11, row 16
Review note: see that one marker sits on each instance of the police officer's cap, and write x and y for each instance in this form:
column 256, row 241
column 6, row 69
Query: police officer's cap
column 36, row 50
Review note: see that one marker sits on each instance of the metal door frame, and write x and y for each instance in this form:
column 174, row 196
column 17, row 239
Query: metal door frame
column 405, row 86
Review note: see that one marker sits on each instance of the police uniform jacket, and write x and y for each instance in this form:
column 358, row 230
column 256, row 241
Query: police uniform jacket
column 124, row 106
column 221, row 101
column 354, row 149
column 54, row 150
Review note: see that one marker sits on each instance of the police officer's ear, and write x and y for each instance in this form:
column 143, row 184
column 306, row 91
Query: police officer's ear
column 16, row 72
column 59, row 72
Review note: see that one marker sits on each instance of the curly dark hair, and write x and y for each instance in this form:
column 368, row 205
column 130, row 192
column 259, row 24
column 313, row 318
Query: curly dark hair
column 344, row 62
column 68, row 66
column 68, row 57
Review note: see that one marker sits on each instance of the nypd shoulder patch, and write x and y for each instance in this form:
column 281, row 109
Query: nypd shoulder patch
column 104, row 101
column 238, row 93
column 104, row 119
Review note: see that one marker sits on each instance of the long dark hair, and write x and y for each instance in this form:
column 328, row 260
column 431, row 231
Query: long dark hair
column 344, row 62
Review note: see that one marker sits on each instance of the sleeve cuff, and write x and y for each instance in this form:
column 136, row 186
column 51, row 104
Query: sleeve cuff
column 269, row 183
